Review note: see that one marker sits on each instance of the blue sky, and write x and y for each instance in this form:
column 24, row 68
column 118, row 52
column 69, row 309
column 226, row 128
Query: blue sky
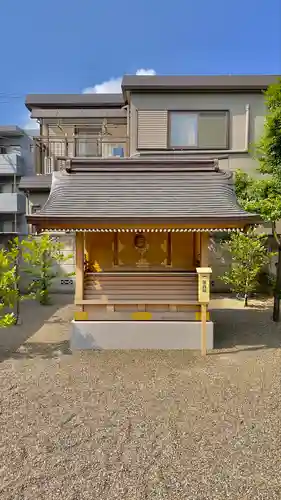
column 57, row 46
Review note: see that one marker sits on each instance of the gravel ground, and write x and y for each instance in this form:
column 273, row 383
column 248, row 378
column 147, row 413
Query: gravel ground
column 141, row 425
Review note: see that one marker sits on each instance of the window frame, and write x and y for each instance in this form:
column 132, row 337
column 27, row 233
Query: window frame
column 84, row 141
column 197, row 112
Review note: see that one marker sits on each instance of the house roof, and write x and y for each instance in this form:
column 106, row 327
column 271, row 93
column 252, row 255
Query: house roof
column 191, row 83
column 11, row 130
column 74, row 101
column 141, row 192
column 36, row 183
column 207, row 83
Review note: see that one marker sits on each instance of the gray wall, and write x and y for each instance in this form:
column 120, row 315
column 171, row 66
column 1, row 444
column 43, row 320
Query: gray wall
column 235, row 103
column 11, row 202
column 36, row 199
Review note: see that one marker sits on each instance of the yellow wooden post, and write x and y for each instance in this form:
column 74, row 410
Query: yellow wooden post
column 204, row 261
column 203, row 329
column 79, row 288
column 203, row 299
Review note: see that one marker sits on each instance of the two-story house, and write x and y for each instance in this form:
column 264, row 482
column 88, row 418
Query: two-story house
column 197, row 116
column 217, row 117
column 16, row 160
column 143, row 180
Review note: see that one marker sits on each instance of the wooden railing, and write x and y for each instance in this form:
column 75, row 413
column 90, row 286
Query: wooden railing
column 51, row 153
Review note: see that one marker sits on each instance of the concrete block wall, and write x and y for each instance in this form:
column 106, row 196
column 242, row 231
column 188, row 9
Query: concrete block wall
column 61, row 284
column 219, row 260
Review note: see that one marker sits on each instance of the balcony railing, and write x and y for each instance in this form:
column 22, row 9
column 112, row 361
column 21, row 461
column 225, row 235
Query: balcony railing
column 12, row 203
column 51, row 153
column 11, row 164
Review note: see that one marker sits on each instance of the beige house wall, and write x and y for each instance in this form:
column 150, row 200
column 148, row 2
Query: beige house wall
column 236, row 104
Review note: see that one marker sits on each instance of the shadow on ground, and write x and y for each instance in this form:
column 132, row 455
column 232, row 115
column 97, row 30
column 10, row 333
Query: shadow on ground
column 251, row 328
column 42, row 330
column 43, row 349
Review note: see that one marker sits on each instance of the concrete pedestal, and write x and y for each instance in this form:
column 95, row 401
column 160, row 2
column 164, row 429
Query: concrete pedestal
column 138, row 335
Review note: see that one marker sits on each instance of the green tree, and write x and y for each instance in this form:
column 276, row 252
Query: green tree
column 249, row 254
column 264, row 195
column 269, row 146
column 9, row 289
column 269, row 151
column 41, row 254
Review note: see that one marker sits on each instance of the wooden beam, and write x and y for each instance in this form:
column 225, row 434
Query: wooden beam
column 79, row 288
column 59, row 224
column 135, row 301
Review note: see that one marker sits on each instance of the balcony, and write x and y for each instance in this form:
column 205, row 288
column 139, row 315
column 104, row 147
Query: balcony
column 12, row 203
column 11, row 164
column 51, row 153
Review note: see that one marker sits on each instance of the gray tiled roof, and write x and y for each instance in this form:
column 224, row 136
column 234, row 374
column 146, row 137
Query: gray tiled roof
column 149, row 192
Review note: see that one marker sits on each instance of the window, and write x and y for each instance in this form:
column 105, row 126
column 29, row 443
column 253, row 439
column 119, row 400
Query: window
column 198, row 130
column 87, row 142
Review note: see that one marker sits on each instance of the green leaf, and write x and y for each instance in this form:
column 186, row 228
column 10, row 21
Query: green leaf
column 249, row 254
column 40, row 254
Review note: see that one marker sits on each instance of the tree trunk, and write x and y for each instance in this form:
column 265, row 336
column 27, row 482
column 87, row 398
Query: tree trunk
column 18, row 293
column 277, row 289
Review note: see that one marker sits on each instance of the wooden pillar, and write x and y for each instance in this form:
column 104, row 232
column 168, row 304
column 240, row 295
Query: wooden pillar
column 79, row 288
column 204, row 250
column 197, row 244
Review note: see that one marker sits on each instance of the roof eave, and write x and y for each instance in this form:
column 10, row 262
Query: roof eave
column 197, row 83
column 95, row 101
column 11, row 131
column 43, row 221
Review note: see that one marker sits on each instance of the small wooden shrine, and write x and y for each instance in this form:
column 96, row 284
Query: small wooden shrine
column 142, row 232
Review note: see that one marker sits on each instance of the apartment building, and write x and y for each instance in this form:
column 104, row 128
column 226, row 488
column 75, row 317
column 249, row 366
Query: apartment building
column 16, row 161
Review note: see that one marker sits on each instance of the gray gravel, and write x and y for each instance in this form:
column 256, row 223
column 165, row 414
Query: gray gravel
column 142, row 425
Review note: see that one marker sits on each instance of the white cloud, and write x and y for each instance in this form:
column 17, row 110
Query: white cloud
column 113, row 86
column 146, row 72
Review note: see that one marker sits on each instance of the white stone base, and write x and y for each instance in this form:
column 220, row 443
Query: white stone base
column 138, row 335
